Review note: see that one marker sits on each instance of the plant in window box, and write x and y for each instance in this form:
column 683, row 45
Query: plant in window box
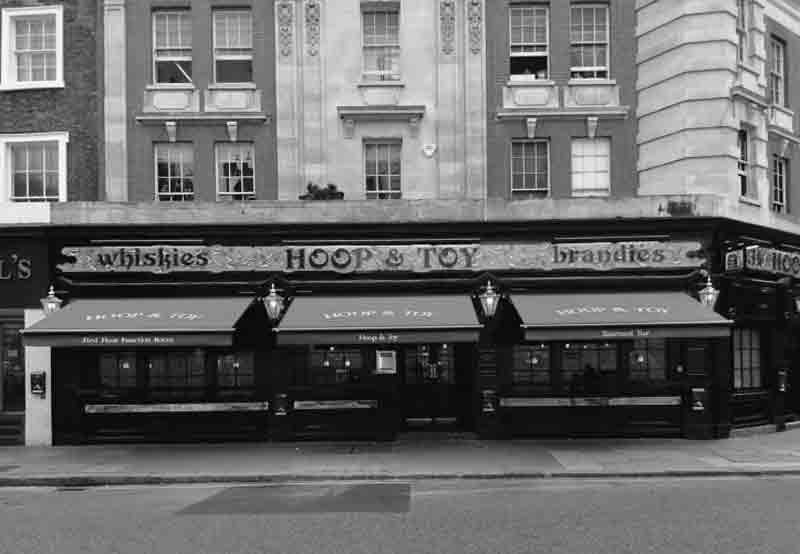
column 316, row 192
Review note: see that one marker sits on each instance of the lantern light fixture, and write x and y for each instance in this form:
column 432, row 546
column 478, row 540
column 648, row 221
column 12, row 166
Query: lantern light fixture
column 708, row 294
column 274, row 303
column 489, row 299
column 51, row 303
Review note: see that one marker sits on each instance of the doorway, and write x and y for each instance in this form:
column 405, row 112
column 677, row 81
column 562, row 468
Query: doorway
column 436, row 387
column 12, row 368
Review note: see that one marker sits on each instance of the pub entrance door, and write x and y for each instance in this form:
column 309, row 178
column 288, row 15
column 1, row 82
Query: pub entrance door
column 12, row 368
column 436, row 387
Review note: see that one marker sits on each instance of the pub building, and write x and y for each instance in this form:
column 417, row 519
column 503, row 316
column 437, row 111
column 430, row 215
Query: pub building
column 209, row 337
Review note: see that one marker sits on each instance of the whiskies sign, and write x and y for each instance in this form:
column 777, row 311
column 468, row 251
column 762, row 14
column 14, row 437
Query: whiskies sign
column 413, row 258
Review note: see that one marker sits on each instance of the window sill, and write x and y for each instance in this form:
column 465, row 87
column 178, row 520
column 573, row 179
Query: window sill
column 168, row 86
column 389, row 84
column 232, row 86
column 592, row 82
column 516, row 81
column 598, row 194
column 744, row 66
column 750, row 201
column 32, row 86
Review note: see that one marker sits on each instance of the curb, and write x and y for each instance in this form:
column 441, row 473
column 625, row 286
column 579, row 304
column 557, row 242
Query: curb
column 142, row 480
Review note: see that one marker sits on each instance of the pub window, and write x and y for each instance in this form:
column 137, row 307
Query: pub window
column 233, row 46
column 589, row 41
column 647, row 360
column 746, row 358
column 335, row 365
column 529, row 32
column 177, row 374
column 172, row 47
column 530, row 364
column 118, row 370
column 777, row 71
column 582, row 363
column 235, row 372
column 425, row 363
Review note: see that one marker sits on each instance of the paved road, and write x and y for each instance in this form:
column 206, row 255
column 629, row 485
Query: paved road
column 689, row 515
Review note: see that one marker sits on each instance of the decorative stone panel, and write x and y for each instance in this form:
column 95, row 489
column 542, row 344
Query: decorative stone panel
column 381, row 95
column 171, row 101
column 782, row 118
column 232, row 100
column 542, row 94
column 585, row 94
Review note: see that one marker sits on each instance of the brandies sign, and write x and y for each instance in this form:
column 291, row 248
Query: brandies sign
column 413, row 258
column 764, row 259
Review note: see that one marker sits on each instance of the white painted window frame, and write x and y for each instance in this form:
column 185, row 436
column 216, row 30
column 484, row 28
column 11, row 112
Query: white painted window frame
column 8, row 75
column 156, row 58
column 230, row 57
column 780, row 170
column 605, row 67
column 511, row 44
column 777, row 71
column 742, row 7
column 244, row 195
column 6, row 163
column 185, row 196
column 744, row 163
column 538, row 191
column 586, row 191
column 390, row 194
column 370, row 76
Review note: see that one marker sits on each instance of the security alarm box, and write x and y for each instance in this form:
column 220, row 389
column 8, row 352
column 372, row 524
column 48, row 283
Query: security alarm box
column 386, row 362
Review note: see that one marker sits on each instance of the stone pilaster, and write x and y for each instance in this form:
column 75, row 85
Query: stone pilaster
column 38, row 409
column 115, row 103
column 288, row 106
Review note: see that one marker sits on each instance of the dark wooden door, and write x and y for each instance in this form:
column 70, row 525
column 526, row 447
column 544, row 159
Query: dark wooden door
column 435, row 386
column 12, row 368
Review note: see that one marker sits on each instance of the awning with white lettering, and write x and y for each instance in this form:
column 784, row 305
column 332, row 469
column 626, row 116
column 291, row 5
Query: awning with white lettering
column 379, row 320
column 620, row 315
column 140, row 322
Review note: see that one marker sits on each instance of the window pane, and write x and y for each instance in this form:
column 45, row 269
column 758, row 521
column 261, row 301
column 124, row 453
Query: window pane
column 235, row 71
column 174, row 71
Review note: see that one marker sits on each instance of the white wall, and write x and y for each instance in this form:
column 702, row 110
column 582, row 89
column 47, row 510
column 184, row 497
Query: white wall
column 38, row 410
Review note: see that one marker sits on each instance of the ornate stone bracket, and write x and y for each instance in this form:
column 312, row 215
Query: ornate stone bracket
column 312, row 26
column 350, row 115
column 285, row 24
column 172, row 130
column 233, row 130
column 591, row 126
column 475, row 18
column 447, row 19
column 530, row 124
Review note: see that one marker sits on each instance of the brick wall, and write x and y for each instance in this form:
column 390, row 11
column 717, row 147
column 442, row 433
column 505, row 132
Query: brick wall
column 75, row 107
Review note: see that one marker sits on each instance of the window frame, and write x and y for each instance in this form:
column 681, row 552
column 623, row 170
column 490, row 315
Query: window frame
column 590, row 191
column 780, row 171
column 511, row 43
column 154, row 53
column 535, row 192
column 390, row 7
column 777, row 71
column 218, row 173
column 523, row 357
column 7, row 164
column 595, row 69
column 171, row 194
column 739, row 368
column 378, row 194
column 8, row 75
column 743, row 163
column 231, row 57
column 741, row 30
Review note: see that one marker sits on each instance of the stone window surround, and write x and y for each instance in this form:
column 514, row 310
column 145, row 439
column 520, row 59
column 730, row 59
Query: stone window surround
column 6, row 140
column 8, row 79
column 548, row 190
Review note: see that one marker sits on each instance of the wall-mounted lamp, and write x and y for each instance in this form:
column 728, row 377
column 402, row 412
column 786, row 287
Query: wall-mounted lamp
column 51, row 303
column 489, row 299
column 708, row 294
column 274, row 304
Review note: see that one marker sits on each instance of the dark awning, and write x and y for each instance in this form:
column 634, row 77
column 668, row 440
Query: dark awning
column 379, row 320
column 132, row 322
column 622, row 315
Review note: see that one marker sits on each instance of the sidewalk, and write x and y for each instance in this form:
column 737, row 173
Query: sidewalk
column 773, row 454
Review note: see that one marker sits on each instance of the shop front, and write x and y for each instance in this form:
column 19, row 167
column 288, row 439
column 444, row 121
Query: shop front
column 214, row 339
column 23, row 279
